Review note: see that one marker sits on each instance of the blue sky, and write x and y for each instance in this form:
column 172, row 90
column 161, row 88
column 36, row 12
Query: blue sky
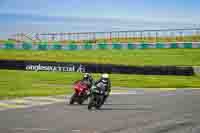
column 95, row 15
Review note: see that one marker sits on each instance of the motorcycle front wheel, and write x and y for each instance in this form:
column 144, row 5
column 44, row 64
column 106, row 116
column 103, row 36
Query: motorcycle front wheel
column 100, row 101
column 72, row 99
column 91, row 102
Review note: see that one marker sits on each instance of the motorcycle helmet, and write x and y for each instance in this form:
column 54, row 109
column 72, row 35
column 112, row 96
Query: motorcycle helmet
column 86, row 75
column 105, row 78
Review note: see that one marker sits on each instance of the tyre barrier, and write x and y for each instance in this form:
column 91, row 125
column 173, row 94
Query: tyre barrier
column 117, row 46
column 95, row 68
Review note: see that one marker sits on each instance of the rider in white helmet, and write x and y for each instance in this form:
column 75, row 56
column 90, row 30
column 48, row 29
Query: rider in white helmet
column 106, row 82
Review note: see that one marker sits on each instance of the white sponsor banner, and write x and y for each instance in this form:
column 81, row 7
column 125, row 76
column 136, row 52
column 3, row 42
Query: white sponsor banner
column 69, row 68
column 196, row 70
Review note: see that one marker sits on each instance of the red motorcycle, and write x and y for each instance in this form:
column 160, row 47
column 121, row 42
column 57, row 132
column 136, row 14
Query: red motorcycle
column 81, row 93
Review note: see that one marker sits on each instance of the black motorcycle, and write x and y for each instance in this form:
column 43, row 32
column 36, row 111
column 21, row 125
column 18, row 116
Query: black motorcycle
column 97, row 97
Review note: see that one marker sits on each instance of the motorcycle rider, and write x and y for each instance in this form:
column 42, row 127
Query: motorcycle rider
column 106, row 83
column 83, row 93
column 87, row 78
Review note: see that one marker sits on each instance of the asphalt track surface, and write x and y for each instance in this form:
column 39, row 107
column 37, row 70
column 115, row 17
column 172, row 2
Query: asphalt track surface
column 148, row 112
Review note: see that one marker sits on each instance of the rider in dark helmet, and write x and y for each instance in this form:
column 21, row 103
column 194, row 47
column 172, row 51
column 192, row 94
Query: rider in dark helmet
column 106, row 83
column 87, row 78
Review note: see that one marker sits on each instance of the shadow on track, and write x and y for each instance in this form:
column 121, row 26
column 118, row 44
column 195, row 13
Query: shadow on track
column 120, row 104
column 126, row 109
column 77, row 104
column 85, row 104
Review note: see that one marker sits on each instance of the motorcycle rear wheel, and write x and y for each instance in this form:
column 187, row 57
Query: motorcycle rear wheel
column 91, row 103
column 80, row 102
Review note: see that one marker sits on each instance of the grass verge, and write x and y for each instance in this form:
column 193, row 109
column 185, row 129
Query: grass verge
column 177, row 57
column 25, row 83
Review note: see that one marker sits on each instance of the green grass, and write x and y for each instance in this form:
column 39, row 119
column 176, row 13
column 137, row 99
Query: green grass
column 22, row 83
column 178, row 57
column 25, row 83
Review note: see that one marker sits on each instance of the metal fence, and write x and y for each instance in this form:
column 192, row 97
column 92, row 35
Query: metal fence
column 165, row 35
